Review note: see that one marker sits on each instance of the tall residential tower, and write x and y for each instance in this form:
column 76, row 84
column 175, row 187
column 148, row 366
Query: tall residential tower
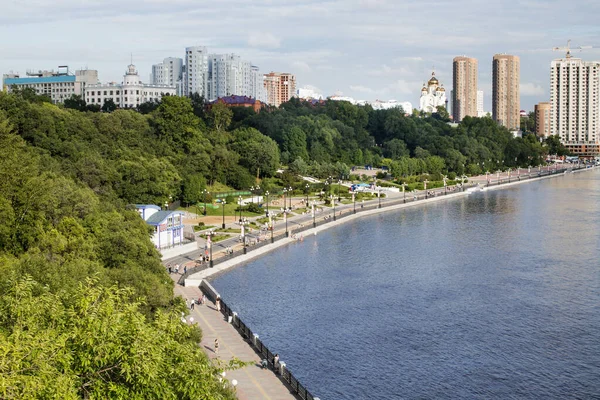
column 575, row 104
column 280, row 87
column 464, row 94
column 505, row 91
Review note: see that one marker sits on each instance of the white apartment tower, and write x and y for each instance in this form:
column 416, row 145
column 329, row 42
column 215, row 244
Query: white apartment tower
column 575, row 104
column 169, row 72
column 228, row 75
column 257, row 87
column 196, row 71
column 480, row 112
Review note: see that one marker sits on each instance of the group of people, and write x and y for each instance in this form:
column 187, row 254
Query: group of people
column 175, row 269
column 264, row 363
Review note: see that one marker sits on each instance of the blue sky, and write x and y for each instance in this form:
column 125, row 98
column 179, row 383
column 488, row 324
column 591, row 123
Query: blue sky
column 367, row 49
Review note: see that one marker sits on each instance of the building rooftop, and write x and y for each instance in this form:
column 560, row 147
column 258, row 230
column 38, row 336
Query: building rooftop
column 235, row 100
column 42, row 79
column 160, row 216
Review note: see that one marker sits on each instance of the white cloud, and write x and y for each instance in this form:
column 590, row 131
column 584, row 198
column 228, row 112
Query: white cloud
column 301, row 66
column 264, row 40
column 531, row 89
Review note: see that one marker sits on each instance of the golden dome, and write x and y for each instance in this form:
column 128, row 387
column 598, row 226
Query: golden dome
column 441, row 89
column 433, row 80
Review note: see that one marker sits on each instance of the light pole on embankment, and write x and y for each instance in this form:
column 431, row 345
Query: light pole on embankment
column 204, row 193
column 339, row 188
column 379, row 198
column 287, row 233
column 332, row 197
column 272, row 226
column 267, row 194
column 244, row 224
column 307, row 191
column 240, row 204
column 354, row 200
column 404, row 191
column 209, row 236
column 223, row 203
column 445, row 185
column 290, row 196
column 314, row 213
column 425, row 187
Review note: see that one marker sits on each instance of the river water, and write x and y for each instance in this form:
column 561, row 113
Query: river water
column 491, row 296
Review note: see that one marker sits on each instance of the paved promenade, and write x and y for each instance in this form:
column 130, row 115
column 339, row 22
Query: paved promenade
column 253, row 382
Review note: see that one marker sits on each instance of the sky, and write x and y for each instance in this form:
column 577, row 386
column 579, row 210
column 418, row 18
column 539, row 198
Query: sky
column 366, row 49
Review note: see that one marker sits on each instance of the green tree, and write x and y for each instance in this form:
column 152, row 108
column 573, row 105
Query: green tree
column 109, row 106
column 258, row 153
column 75, row 102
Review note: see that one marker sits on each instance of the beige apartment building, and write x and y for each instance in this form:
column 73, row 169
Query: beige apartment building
column 575, row 104
column 542, row 119
column 280, row 87
column 464, row 94
column 506, row 104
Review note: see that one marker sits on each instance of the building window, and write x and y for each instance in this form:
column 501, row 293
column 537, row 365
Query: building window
column 137, row 92
column 111, row 92
column 125, row 91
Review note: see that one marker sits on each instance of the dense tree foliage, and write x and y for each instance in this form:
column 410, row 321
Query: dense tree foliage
column 66, row 179
column 86, row 309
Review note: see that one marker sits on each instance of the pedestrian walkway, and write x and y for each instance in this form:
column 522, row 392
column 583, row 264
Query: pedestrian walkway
column 253, row 382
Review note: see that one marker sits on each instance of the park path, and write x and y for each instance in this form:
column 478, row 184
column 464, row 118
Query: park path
column 253, row 382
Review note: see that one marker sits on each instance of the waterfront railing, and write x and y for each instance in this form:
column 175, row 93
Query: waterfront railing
column 279, row 367
column 408, row 197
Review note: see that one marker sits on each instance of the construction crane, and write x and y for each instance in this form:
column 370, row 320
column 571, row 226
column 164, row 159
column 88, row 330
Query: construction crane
column 568, row 48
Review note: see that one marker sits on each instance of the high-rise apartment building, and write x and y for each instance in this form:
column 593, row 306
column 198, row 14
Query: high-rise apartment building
column 228, row 75
column 257, row 87
column 575, row 104
column 464, row 95
column 196, row 71
column 280, row 87
column 542, row 119
column 480, row 112
column 506, row 103
column 169, row 73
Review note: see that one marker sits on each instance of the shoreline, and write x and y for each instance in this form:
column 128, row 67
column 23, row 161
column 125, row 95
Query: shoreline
column 197, row 278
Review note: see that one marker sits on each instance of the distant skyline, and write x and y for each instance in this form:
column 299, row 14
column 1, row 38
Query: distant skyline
column 366, row 49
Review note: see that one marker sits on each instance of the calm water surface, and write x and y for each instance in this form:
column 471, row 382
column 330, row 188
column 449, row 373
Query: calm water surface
column 491, row 296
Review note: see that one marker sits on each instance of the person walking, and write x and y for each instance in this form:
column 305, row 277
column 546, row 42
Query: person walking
column 276, row 362
column 170, row 270
column 216, row 346
column 185, row 269
column 218, row 303
column 192, row 303
column 176, row 268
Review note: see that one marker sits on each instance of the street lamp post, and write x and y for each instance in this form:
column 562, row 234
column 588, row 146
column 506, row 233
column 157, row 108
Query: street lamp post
column 251, row 194
column 284, row 199
column 287, row 233
column 314, row 213
column 404, row 191
column 425, row 187
column 379, row 198
column 354, row 200
column 290, row 196
column 272, row 221
column 204, row 193
column 333, row 201
column 307, row 190
column 267, row 194
column 445, row 185
column 509, row 170
column 339, row 188
column 244, row 236
column 223, row 203
column 210, row 261
column 240, row 204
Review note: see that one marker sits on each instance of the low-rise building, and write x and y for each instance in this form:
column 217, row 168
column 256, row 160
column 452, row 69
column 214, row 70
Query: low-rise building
column 238, row 101
column 58, row 86
column 168, row 225
column 128, row 94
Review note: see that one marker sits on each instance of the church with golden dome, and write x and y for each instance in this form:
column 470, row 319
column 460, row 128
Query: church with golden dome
column 433, row 95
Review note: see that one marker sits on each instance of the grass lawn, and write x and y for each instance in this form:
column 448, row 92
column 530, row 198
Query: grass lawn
column 216, row 238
